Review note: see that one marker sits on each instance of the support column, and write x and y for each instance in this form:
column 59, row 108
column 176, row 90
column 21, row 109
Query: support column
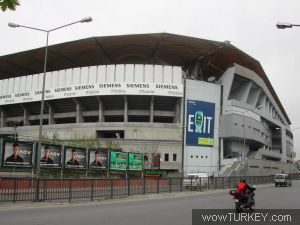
column 2, row 118
column 79, row 109
column 177, row 118
column 125, row 109
column 101, row 113
column 51, row 115
column 152, row 109
column 283, row 144
column 25, row 115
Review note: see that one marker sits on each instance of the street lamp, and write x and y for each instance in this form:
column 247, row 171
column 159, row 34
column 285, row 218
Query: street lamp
column 281, row 25
column 13, row 25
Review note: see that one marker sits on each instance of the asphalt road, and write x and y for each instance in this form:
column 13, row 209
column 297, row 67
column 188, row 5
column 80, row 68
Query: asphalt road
column 163, row 209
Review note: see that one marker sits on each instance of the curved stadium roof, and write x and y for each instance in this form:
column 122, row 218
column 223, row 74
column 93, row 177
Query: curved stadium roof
column 158, row 48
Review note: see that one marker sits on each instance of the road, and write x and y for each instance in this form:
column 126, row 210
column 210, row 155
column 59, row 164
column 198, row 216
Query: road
column 162, row 209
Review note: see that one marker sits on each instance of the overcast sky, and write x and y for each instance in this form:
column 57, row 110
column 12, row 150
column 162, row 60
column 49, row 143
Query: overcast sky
column 247, row 24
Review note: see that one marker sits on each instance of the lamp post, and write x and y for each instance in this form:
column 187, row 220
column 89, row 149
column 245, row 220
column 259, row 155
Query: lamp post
column 13, row 25
column 281, row 25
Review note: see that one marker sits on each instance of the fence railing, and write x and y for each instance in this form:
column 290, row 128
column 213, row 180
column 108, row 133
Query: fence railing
column 32, row 189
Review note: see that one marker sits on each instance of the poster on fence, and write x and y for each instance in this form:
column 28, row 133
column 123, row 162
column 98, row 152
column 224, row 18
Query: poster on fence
column 118, row 160
column 17, row 154
column 136, row 161
column 50, row 156
column 75, row 157
column 98, row 158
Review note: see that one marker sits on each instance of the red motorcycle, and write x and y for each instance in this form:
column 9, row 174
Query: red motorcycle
column 241, row 199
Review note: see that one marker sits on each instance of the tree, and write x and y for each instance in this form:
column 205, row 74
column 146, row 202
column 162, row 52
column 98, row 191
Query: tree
column 8, row 4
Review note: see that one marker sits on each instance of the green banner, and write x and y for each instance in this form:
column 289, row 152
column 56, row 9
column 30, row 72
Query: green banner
column 136, row 161
column 118, row 160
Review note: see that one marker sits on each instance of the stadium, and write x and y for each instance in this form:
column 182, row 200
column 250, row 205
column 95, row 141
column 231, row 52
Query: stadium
column 199, row 105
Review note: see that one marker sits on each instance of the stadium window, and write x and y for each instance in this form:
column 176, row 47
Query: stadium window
column 166, row 157
column 174, row 157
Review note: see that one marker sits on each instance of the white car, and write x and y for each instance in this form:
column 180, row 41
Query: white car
column 195, row 180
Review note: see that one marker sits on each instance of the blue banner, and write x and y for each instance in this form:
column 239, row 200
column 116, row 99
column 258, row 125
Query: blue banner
column 200, row 123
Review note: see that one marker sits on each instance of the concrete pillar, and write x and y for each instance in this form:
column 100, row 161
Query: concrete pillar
column 79, row 109
column 177, row 118
column 101, row 113
column 26, row 116
column 125, row 109
column 51, row 115
column 2, row 118
column 152, row 109
column 283, row 144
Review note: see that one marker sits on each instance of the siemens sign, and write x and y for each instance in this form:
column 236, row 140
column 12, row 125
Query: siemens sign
column 200, row 123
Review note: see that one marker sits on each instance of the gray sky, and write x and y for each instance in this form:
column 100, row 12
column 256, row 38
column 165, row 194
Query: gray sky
column 248, row 24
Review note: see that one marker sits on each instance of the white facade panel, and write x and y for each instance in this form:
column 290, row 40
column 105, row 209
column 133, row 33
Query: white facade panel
column 16, row 84
column 139, row 73
column 168, row 73
column 23, row 84
column 1, row 87
column 120, row 70
column 158, row 74
column 84, row 75
column 110, row 73
column 149, row 72
column 101, row 74
column 69, row 77
column 54, row 80
column 61, row 78
column 129, row 73
column 48, row 81
column 177, row 75
column 93, row 74
column 10, row 86
column 28, row 83
column 76, row 76
column 35, row 80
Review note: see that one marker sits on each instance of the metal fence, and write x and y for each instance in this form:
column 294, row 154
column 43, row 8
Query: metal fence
column 26, row 189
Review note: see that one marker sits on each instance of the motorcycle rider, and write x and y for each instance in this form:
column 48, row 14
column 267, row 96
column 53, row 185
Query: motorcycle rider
column 246, row 189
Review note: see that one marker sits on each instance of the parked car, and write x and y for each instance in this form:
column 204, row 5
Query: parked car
column 283, row 179
column 195, row 180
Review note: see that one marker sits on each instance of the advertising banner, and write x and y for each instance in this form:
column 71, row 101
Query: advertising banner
column 200, row 123
column 175, row 90
column 51, row 156
column 136, row 161
column 118, row 160
column 17, row 154
column 98, row 158
column 75, row 157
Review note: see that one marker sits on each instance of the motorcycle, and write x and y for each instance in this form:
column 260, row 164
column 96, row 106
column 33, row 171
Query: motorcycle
column 241, row 201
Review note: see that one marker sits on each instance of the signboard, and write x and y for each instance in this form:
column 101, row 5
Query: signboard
column 50, row 156
column 152, row 173
column 118, row 160
column 17, row 154
column 200, row 123
column 98, row 158
column 136, row 161
column 75, row 158
column 72, row 91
